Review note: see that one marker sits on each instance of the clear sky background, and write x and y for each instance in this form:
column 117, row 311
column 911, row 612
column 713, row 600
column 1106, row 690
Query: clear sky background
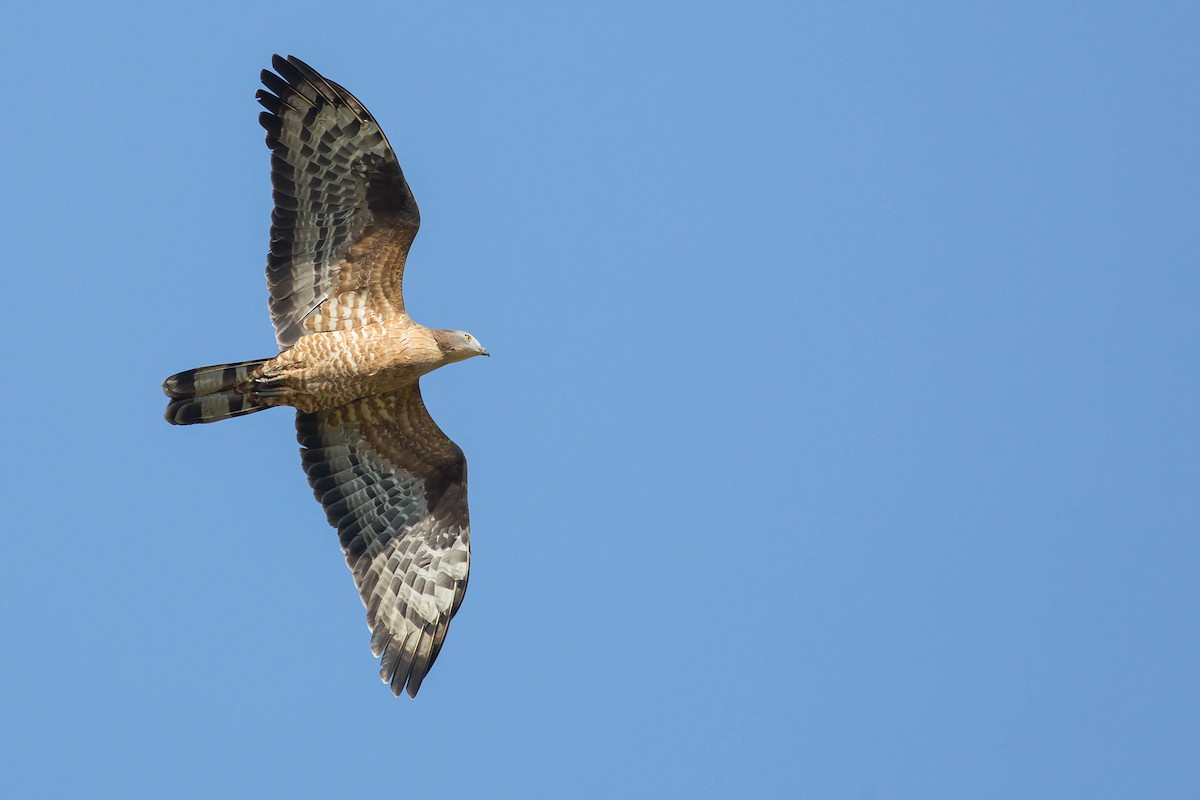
column 840, row 438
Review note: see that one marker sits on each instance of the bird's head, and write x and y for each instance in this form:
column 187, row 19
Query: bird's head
column 459, row 345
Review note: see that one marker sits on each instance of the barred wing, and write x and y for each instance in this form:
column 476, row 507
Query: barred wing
column 395, row 487
column 344, row 216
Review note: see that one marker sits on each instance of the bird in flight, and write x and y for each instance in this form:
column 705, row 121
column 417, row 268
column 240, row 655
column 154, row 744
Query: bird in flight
column 350, row 363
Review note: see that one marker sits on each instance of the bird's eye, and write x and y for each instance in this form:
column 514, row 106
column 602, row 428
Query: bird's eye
column 468, row 337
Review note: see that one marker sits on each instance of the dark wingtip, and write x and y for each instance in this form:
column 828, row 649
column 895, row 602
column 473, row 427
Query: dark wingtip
column 268, row 101
column 275, row 83
column 296, row 62
column 272, row 124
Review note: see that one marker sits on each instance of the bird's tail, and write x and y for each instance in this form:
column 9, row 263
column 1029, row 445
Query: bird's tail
column 210, row 394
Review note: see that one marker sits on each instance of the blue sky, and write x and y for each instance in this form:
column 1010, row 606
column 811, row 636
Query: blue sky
column 839, row 440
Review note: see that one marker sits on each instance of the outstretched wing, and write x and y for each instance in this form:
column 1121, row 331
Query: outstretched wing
column 344, row 216
column 395, row 487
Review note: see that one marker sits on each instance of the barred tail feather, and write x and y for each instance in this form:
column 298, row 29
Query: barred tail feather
column 210, row 394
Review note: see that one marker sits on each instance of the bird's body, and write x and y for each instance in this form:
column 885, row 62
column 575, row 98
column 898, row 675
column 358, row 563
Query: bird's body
column 350, row 362
column 326, row 370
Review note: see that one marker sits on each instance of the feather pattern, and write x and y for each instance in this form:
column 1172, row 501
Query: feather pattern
column 344, row 215
column 395, row 487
